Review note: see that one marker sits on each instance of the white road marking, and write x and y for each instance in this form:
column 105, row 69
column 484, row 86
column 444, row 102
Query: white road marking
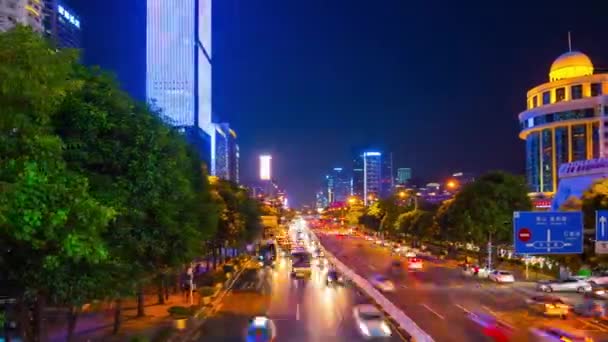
column 404, row 286
column 433, row 311
column 599, row 327
column 372, row 267
column 462, row 308
column 297, row 312
column 489, row 310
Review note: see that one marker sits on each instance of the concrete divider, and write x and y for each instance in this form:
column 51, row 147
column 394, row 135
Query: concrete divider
column 402, row 320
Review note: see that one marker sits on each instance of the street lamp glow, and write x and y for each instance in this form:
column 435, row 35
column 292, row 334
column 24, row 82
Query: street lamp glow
column 452, row 184
column 265, row 173
column 402, row 194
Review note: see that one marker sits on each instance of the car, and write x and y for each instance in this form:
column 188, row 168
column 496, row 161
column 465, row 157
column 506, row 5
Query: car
column 382, row 283
column 371, row 321
column 598, row 278
column 597, row 292
column 548, row 306
column 499, row 276
column 334, row 278
column 550, row 334
column 414, row 264
column 491, row 326
column 563, row 285
column 378, row 242
column 261, row 329
column 410, row 254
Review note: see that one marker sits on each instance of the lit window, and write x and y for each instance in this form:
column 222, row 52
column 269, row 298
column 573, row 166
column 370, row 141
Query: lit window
column 60, row 10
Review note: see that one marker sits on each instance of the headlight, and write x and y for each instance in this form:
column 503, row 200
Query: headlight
column 601, row 292
column 385, row 328
column 364, row 329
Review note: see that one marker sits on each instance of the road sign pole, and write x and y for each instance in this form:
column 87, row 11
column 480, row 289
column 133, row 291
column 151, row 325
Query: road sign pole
column 527, row 260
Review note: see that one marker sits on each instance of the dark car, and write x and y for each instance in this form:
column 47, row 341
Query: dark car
column 334, row 278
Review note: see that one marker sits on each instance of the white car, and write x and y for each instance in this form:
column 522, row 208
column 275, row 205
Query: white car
column 568, row 284
column 382, row 283
column 410, row 254
column 370, row 321
column 598, row 279
column 414, row 264
column 548, row 334
column 501, row 277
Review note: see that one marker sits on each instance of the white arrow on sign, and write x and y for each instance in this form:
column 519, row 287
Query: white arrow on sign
column 603, row 225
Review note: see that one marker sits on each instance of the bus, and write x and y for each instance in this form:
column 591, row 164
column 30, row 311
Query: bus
column 300, row 263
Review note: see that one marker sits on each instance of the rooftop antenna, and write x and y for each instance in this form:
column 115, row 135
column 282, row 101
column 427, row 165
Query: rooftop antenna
column 569, row 42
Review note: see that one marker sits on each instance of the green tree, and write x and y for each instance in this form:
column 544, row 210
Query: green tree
column 50, row 225
column 145, row 170
column 483, row 210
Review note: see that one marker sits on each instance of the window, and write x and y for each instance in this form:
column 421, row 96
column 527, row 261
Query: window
column 547, row 160
column 577, row 91
column 596, row 89
column 546, row 97
column 561, row 145
column 579, row 142
column 560, row 94
column 535, row 101
column 532, row 161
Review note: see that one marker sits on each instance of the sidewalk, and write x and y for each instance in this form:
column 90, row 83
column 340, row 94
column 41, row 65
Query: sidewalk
column 97, row 326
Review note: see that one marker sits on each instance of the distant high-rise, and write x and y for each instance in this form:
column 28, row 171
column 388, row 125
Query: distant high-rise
column 62, row 24
column 387, row 177
column 358, row 175
column 338, row 185
column 404, row 174
column 226, row 153
column 24, row 12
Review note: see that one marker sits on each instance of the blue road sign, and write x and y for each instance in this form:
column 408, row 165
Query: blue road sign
column 601, row 225
column 548, row 232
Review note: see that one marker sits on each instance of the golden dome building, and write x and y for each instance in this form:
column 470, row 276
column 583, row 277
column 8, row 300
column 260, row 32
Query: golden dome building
column 566, row 120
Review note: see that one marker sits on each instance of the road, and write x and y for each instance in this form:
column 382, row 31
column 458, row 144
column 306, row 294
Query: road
column 438, row 297
column 303, row 310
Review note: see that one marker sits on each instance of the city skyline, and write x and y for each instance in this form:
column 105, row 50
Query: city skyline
column 473, row 85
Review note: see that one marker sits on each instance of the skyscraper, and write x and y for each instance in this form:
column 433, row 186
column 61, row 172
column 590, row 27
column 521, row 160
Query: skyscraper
column 178, row 68
column 62, row 24
column 226, row 153
column 24, row 12
column 387, row 178
column 265, row 167
column 403, row 175
column 338, row 185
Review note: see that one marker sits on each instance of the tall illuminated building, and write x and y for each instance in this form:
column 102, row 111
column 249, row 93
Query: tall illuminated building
column 178, row 68
column 265, row 167
column 62, row 24
column 404, row 174
column 367, row 175
column 337, row 185
column 226, row 153
column 24, row 12
column 565, row 120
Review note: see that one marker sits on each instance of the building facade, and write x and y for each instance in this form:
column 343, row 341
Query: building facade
column 24, row 12
column 226, row 153
column 338, row 185
column 178, row 68
column 372, row 176
column 62, row 24
column 404, row 174
column 565, row 120
column 387, row 176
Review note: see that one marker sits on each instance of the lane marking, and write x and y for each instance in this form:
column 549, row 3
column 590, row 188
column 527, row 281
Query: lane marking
column 489, row 310
column 297, row 312
column 433, row 311
column 404, row 286
column 591, row 324
column 372, row 267
column 462, row 308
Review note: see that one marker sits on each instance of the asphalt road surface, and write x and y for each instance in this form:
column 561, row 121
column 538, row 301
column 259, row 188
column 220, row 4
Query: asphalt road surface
column 438, row 297
column 303, row 310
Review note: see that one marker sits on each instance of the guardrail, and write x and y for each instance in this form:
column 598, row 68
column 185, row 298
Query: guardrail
column 404, row 322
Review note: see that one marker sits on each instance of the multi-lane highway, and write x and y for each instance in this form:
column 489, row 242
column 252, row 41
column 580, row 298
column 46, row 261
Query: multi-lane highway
column 438, row 297
column 303, row 310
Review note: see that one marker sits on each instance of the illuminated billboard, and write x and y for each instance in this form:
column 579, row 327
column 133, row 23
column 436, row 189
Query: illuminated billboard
column 265, row 167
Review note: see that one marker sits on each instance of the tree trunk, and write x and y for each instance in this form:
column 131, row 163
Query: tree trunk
column 117, row 316
column 39, row 319
column 72, row 320
column 161, row 290
column 166, row 287
column 214, row 257
column 24, row 321
column 140, row 301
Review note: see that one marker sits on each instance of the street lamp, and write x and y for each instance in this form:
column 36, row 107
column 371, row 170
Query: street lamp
column 452, row 184
column 402, row 194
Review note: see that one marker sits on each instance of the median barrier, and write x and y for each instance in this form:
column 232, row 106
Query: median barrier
column 398, row 316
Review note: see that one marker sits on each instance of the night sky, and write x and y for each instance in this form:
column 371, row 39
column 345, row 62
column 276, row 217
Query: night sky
column 437, row 84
